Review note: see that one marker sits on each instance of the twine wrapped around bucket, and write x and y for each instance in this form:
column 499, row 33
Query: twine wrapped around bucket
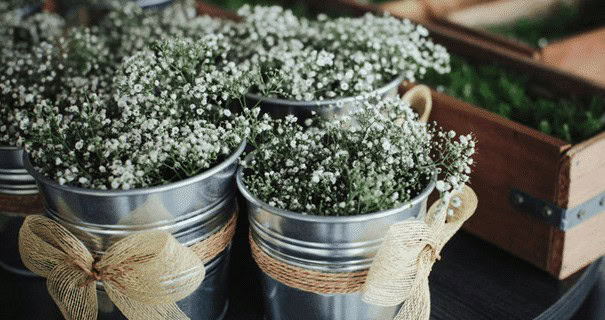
column 143, row 274
column 400, row 270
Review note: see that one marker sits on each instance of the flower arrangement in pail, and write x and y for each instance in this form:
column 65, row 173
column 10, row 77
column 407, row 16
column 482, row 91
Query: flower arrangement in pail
column 337, row 211
column 22, row 30
column 140, row 177
column 46, row 65
column 315, row 65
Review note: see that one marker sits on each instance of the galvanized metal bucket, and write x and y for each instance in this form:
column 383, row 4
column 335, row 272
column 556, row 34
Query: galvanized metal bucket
column 77, row 12
column 14, row 179
column 191, row 210
column 326, row 244
column 146, row 4
column 18, row 191
column 327, row 109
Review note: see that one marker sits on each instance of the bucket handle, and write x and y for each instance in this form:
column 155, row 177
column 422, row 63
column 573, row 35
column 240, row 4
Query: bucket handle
column 420, row 100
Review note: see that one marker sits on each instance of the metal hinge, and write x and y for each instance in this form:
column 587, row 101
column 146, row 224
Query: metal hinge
column 561, row 218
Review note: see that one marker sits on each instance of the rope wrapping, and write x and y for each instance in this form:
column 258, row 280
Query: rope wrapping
column 400, row 270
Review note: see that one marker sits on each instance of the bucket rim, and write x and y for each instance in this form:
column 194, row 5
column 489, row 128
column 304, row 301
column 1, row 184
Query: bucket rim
column 313, row 104
column 251, row 198
column 41, row 179
column 9, row 148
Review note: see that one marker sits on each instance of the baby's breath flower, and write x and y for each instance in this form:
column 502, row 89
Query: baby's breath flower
column 341, row 169
column 134, row 135
column 309, row 60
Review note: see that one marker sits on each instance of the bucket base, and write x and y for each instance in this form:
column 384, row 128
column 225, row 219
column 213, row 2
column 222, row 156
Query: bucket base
column 286, row 303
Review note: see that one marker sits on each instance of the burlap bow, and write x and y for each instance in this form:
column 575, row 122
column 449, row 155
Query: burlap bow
column 399, row 273
column 143, row 274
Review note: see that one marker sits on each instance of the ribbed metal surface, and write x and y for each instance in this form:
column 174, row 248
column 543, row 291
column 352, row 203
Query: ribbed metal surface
column 121, row 212
column 328, row 244
column 14, row 179
column 328, row 109
column 191, row 210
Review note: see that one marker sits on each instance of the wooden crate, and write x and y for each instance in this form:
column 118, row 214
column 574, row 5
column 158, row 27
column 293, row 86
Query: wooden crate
column 512, row 157
column 579, row 55
column 437, row 12
column 582, row 55
column 469, row 17
column 502, row 12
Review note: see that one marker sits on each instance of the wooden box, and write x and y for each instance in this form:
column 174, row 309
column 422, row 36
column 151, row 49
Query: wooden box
column 583, row 55
column 523, row 178
column 540, row 198
column 579, row 55
column 437, row 13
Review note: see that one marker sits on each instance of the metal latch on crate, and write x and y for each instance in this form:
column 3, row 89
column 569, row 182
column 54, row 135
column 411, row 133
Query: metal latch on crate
column 561, row 218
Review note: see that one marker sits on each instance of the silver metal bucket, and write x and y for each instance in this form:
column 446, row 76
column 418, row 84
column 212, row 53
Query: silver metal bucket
column 145, row 4
column 14, row 179
column 328, row 244
column 191, row 210
column 15, row 185
column 327, row 109
column 78, row 12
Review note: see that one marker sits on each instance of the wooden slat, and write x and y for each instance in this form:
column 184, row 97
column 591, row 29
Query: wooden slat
column 504, row 43
column 440, row 8
column 581, row 55
column 587, row 170
column 502, row 12
column 509, row 155
column 582, row 245
column 411, row 9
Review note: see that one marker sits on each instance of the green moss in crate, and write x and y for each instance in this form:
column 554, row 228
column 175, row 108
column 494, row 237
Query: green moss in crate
column 510, row 95
column 566, row 20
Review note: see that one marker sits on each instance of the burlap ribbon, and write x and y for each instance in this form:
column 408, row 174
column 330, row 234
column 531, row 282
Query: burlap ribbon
column 400, row 271
column 143, row 274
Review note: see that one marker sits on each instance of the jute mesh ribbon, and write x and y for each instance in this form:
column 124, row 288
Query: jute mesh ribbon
column 143, row 274
column 400, row 270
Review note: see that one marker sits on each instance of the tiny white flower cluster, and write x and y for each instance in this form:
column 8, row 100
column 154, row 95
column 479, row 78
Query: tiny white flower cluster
column 27, row 75
column 38, row 63
column 331, row 58
column 166, row 119
column 340, row 169
column 128, row 29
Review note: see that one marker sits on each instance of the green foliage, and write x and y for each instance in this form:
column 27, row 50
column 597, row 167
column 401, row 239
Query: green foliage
column 508, row 94
column 566, row 20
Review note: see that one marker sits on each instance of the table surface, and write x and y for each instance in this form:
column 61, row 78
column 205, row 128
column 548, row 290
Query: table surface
column 473, row 280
